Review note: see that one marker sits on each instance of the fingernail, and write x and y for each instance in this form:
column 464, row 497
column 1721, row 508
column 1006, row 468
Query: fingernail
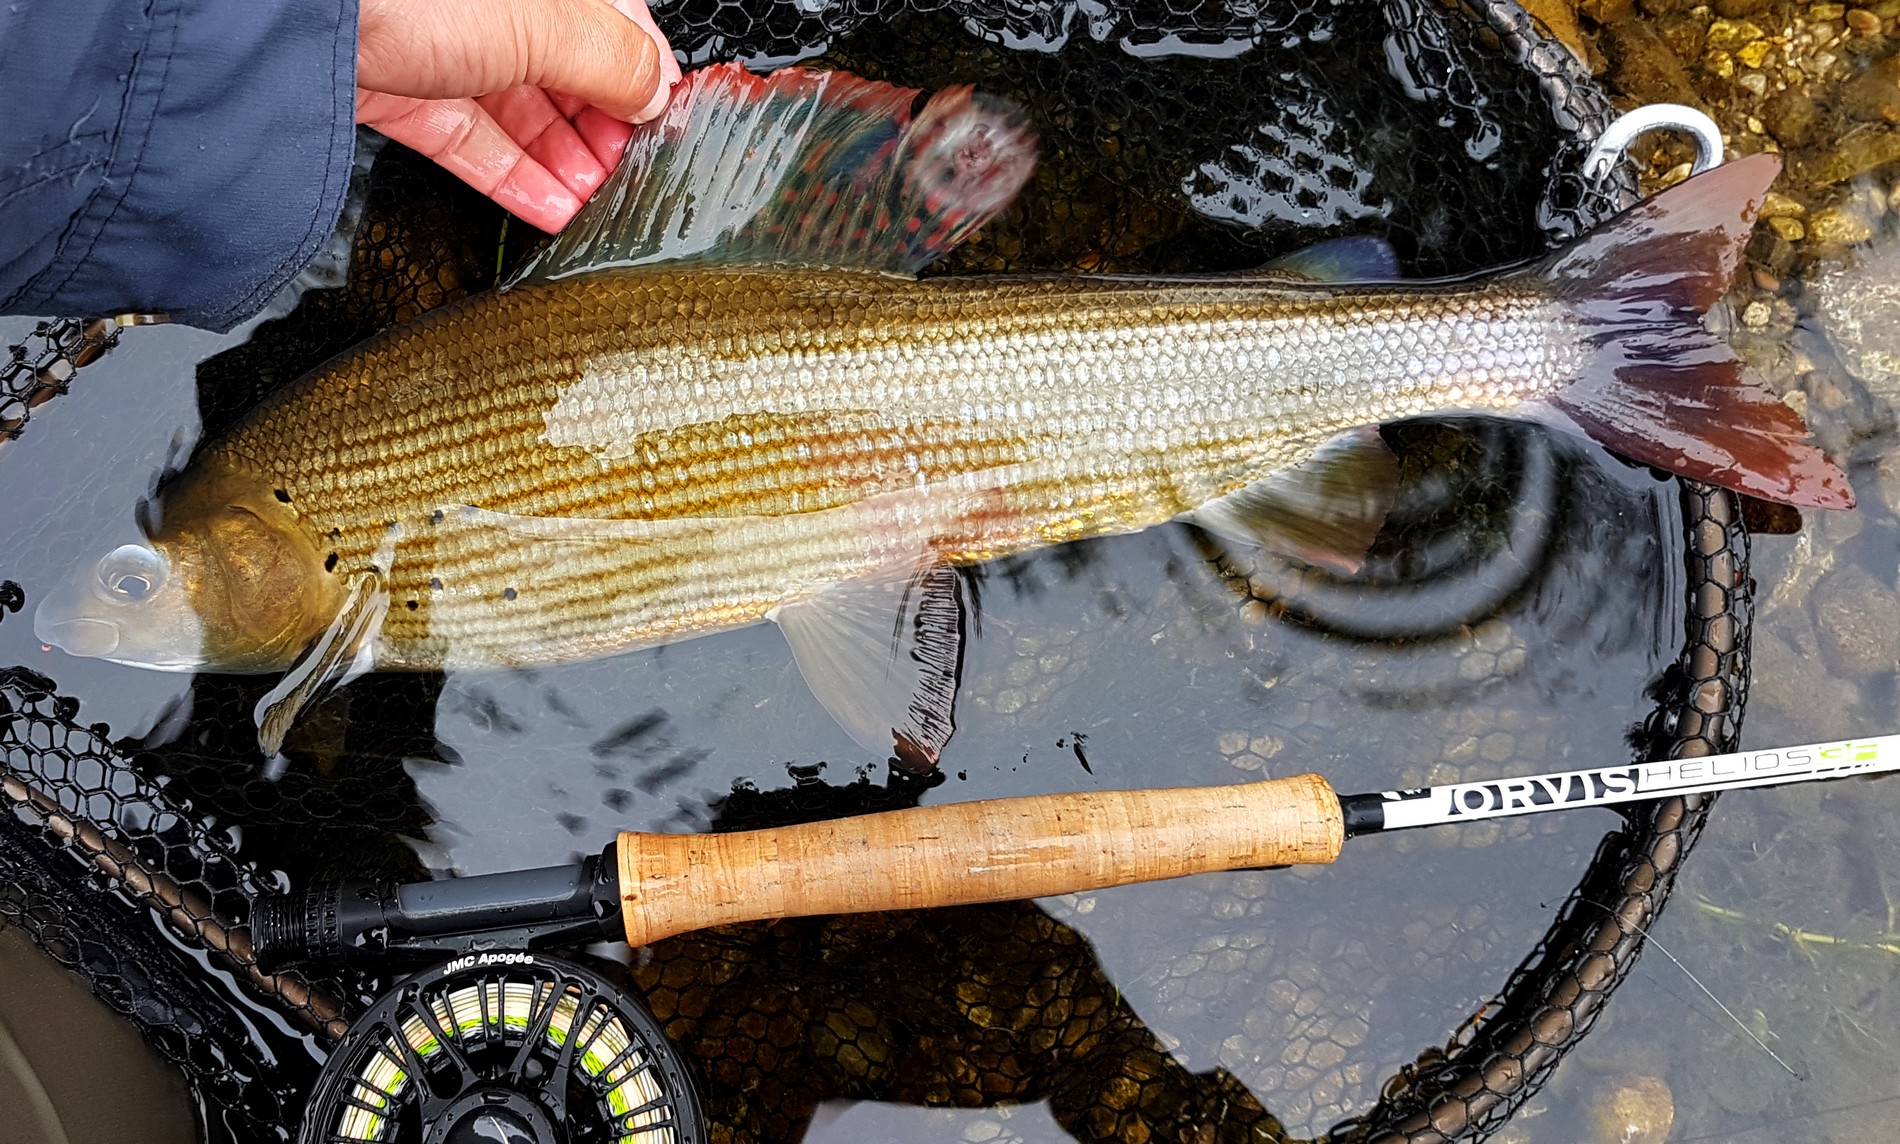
column 652, row 110
column 662, row 87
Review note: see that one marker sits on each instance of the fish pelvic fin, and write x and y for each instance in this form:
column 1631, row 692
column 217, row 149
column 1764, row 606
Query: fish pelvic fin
column 884, row 655
column 800, row 167
column 1659, row 387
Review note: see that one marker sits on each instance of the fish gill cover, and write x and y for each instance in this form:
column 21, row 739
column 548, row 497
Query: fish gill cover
column 1176, row 138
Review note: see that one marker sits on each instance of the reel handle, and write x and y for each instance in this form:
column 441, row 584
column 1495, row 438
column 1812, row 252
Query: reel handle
column 963, row 853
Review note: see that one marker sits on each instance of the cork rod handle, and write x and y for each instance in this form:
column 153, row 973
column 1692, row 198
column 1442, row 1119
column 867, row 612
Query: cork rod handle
column 971, row 852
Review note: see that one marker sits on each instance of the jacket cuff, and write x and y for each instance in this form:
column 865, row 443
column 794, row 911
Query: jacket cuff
column 228, row 169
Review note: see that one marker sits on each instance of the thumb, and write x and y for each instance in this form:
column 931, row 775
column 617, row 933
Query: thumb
column 588, row 49
column 431, row 49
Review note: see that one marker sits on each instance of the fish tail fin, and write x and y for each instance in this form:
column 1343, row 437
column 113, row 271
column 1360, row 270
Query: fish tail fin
column 1659, row 386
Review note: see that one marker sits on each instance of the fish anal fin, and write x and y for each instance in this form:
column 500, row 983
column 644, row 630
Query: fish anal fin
column 800, row 167
column 884, row 655
column 1325, row 511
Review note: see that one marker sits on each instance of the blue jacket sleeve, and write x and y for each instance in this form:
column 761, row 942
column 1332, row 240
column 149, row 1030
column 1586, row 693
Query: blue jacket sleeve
column 178, row 156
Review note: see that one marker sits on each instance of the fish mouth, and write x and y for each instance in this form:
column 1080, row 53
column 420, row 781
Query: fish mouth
column 96, row 639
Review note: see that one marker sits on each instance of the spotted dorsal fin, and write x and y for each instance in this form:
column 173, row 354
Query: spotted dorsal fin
column 800, row 167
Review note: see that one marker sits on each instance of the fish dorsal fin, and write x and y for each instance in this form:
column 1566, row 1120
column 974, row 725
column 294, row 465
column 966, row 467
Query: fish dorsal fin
column 1325, row 511
column 800, row 167
column 1356, row 258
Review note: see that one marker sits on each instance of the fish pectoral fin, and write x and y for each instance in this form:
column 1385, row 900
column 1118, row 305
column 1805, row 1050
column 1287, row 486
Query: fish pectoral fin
column 1355, row 258
column 345, row 650
column 800, row 167
column 884, row 656
column 1325, row 511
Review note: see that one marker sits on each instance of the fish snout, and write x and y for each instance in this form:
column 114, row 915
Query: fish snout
column 76, row 636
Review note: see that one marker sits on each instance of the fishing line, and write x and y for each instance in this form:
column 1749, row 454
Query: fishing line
column 1706, row 991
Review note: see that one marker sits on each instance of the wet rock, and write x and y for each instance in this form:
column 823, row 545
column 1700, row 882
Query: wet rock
column 1632, row 1110
column 1840, row 226
column 1742, row 1088
column 1887, row 474
column 1858, row 152
column 1778, row 205
column 1606, row 11
column 1789, row 229
column 1874, row 95
column 1855, row 617
column 1644, row 67
column 1791, row 117
column 1770, row 252
column 1560, row 17
column 1792, row 679
column 1859, row 311
column 1736, row 9
column 1731, row 34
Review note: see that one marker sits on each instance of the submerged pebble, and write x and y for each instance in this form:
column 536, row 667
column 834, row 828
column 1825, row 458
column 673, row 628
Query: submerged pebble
column 1632, row 1110
column 1841, row 226
column 1856, row 616
column 1859, row 310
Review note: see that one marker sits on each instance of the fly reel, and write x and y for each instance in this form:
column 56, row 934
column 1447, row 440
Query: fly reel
column 504, row 1047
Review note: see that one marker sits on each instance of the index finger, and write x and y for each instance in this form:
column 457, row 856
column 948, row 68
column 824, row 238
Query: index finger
column 467, row 141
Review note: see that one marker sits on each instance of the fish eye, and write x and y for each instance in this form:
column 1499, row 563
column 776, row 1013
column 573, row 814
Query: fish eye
column 131, row 573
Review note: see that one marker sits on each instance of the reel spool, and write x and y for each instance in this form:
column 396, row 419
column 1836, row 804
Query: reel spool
column 505, row 1047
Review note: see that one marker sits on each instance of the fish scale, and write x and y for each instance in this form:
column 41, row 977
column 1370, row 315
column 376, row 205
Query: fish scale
column 1144, row 400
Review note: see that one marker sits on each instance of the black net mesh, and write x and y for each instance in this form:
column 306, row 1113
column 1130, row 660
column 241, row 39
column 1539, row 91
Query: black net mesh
column 1242, row 112
column 41, row 367
column 89, row 846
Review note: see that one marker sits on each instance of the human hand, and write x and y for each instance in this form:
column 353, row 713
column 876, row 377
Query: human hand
column 527, row 101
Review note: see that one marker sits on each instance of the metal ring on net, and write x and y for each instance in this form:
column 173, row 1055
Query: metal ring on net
column 130, row 834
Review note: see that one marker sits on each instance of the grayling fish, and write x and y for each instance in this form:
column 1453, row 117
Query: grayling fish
column 722, row 397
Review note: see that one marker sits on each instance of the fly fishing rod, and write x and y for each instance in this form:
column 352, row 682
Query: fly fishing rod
column 645, row 887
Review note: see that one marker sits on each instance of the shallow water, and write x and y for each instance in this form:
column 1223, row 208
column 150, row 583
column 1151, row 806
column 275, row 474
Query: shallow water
column 1139, row 662
column 1136, row 647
